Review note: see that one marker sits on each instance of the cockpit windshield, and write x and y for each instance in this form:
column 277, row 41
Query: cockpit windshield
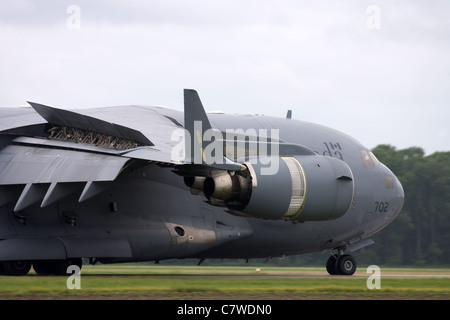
column 369, row 159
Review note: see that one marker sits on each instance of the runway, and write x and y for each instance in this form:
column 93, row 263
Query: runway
column 270, row 276
column 259, row 272
column 150, row 282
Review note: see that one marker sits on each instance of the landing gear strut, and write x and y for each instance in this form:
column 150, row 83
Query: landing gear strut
column 343, row 264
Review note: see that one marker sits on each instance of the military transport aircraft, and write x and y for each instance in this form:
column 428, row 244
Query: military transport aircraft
column 137, row 183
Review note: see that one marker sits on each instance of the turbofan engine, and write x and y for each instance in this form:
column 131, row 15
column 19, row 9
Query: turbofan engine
column 304, row 188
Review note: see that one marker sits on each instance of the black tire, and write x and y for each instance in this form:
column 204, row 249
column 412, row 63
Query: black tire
column 346, row 265
column 16, row 267
column 331, row 265
column 43, row 267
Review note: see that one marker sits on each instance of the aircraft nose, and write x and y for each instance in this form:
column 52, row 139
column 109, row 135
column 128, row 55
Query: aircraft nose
column 399, row 195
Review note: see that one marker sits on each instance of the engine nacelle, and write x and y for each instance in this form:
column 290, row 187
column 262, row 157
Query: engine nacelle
column 305, row 188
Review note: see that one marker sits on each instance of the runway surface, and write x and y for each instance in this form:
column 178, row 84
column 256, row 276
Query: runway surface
column 150, row 282
column 259, row 272
column 270, row 276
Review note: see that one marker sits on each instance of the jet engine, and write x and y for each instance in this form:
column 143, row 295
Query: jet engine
column 304, row 188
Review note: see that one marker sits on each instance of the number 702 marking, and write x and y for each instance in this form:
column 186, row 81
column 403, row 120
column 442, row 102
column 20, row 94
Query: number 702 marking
column 381, row 206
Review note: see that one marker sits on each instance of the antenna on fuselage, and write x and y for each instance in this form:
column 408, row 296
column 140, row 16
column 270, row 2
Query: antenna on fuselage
column 289, row 114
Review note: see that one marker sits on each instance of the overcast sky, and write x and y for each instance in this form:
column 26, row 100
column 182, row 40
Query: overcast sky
column 376, row 70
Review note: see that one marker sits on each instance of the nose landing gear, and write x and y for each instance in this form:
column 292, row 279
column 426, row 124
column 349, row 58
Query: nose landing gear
column 343, row 264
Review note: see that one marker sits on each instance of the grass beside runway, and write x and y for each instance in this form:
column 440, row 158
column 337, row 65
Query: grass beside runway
column 131, row 281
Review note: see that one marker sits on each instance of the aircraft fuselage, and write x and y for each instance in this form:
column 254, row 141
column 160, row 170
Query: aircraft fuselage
column 149, row 213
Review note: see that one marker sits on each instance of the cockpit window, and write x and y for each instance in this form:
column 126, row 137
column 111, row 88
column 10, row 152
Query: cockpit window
column 369, row 159
column 376, row 162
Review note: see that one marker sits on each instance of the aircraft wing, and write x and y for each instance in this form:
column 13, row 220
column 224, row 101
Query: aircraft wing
column 54, row 152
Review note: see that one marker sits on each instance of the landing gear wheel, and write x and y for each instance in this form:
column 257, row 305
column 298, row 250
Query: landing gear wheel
column 16, row 267
column 43, row 267
column 331, row 265
column 346, row 265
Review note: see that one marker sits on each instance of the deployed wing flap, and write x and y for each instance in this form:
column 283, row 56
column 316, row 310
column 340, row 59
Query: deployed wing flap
column 72, row 119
